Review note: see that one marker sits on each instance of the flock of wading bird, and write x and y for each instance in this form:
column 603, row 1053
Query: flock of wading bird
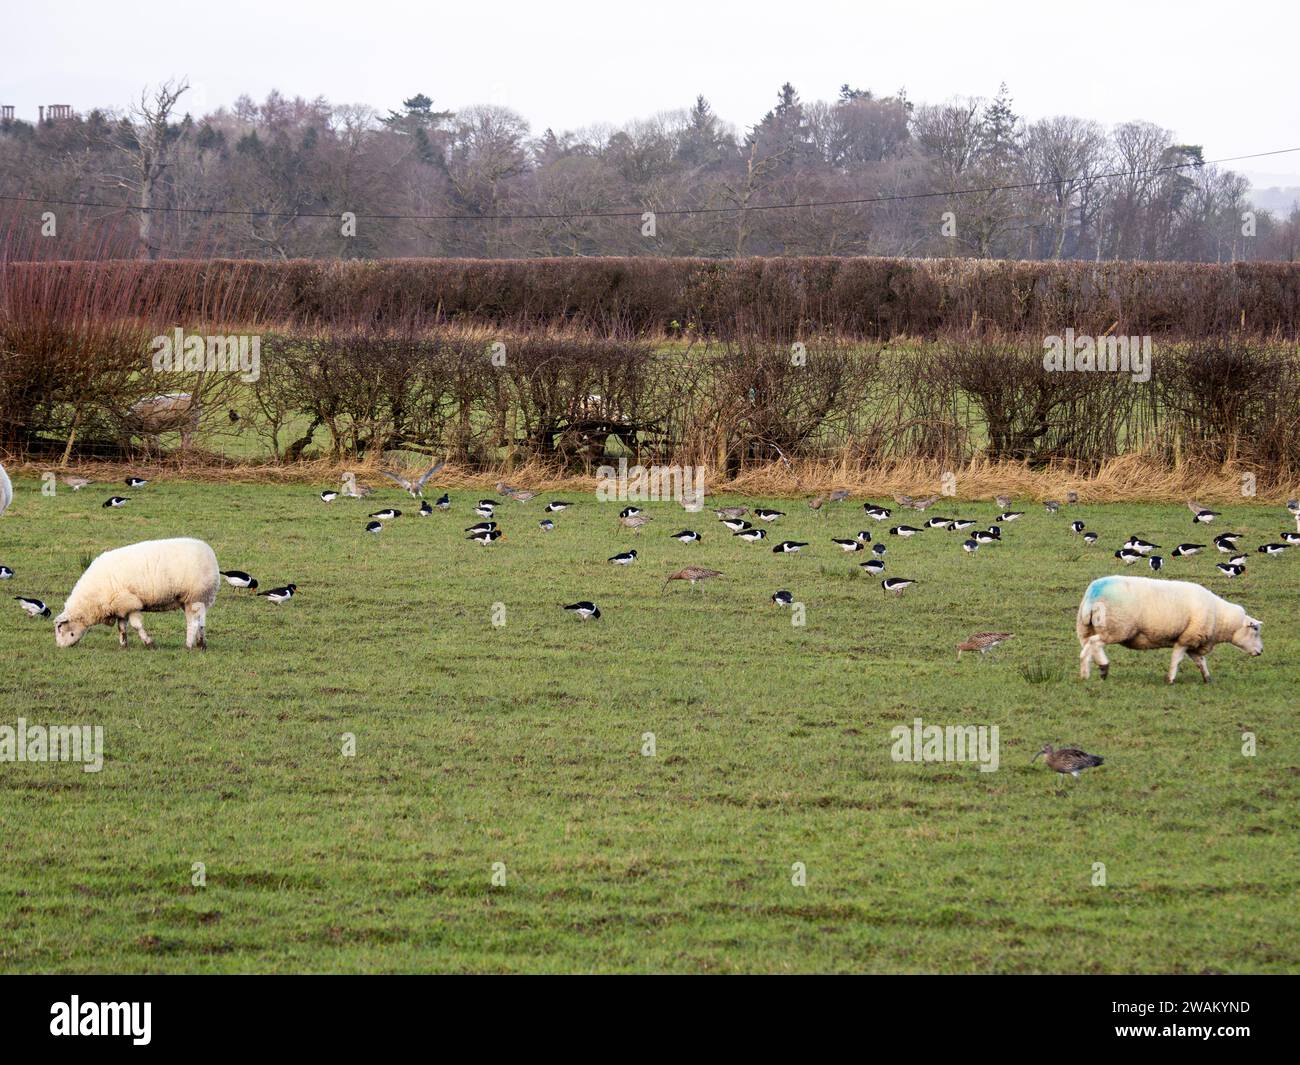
column 735, row 521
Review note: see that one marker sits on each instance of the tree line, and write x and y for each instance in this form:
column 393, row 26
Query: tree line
column 273, row 180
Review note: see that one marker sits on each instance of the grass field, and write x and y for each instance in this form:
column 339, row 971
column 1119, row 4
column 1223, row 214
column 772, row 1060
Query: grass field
column 521, row 744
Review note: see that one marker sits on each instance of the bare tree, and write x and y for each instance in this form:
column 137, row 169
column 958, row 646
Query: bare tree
column 145, row 150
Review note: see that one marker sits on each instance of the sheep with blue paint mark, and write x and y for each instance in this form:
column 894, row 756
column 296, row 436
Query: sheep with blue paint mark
column 1145, row 614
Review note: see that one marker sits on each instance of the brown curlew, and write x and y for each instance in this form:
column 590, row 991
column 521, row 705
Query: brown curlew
column 1069, row 759
column 983, row 642
column 692, row 574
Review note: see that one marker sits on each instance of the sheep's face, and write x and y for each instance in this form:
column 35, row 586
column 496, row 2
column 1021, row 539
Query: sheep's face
column 1248, row 638
column 67, row 632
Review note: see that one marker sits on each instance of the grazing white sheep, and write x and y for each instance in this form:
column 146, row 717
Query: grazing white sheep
column 6, row 491
column 121, row 585
column 1144, row 614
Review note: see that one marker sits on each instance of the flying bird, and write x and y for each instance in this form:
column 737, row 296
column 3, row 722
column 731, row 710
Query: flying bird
column 414, row 485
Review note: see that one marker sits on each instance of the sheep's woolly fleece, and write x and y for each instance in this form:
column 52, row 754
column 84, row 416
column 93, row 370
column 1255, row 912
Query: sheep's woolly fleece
column 6, row 491
column 1143, row 614
column 152, row 575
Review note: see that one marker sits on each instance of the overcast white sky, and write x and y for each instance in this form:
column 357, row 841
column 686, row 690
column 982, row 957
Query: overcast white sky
column 1218, row 75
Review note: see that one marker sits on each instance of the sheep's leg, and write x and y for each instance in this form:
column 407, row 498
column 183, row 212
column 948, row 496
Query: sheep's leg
column 1094, row 648
column 1179, row 652
column 137, row 622
column 195, row 634
column 1203, row 666
column 121, row 633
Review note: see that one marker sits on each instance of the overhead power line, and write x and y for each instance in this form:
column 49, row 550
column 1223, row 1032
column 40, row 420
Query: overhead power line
column 637, row 212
